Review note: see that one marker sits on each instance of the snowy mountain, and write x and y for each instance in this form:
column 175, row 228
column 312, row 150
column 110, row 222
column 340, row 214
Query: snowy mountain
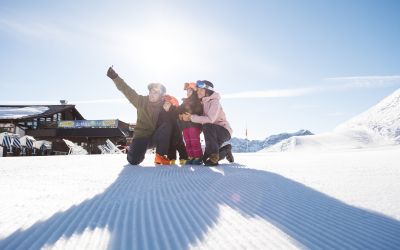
column 382, row 119
column 378, row 126
column 245, row 145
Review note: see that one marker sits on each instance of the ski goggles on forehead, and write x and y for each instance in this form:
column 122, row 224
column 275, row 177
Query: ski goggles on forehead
column 203, row 85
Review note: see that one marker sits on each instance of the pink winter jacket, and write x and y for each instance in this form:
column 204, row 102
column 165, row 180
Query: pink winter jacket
column 213, row 112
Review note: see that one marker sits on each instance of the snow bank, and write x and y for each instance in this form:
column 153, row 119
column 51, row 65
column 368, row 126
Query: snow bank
column 338, row 140
column 244, row 145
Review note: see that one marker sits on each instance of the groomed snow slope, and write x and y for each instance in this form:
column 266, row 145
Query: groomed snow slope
column 335, row 200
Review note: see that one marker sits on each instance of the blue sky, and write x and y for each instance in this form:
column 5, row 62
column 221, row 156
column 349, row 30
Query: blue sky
column 280, row 66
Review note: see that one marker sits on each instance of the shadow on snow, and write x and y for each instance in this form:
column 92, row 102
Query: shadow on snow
column 174, row 207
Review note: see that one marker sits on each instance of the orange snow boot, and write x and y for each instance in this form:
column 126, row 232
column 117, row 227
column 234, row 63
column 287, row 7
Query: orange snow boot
column 162, row 160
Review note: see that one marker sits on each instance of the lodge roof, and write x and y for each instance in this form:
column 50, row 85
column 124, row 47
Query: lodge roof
column 51, row 110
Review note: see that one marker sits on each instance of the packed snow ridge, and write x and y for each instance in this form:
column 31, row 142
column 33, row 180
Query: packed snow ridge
column 376, row 127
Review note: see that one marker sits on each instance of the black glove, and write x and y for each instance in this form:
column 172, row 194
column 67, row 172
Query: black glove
column 111, row 73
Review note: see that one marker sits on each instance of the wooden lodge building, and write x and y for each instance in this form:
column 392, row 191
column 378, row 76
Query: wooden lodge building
column 56, row 122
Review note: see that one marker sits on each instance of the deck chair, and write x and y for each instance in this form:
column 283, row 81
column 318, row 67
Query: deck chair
column 6, row 142
column 103, row 149
column 27, row 144
column 41, row 146
column 45, row 148
column 75, row 149
column 107, row 149
column 16, row 142
column 113, row 149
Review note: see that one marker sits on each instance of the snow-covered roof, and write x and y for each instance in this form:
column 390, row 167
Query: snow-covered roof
column 19, row 112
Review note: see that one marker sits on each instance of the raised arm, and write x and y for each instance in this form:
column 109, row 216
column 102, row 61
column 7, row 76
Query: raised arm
column 129, row 93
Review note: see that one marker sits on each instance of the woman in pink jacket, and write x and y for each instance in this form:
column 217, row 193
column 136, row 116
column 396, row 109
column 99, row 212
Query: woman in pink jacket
column 216, row 128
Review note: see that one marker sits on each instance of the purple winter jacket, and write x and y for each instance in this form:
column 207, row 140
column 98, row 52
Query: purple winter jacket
column 213, row 112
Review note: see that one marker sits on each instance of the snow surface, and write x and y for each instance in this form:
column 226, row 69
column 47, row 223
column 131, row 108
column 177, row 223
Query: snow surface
column 378, row 126
column 341, row 199
column 19, row 112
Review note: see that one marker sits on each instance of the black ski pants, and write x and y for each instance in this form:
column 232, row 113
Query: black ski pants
column 177, row 144
column 215, row 136
column 160, row 139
